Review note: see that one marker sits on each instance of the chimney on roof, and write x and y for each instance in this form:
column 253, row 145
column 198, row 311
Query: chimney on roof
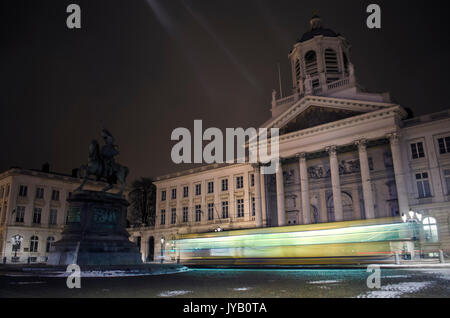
column 46, row 167
column 75, row 173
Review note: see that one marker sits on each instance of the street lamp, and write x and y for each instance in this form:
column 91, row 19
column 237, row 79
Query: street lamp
column 16, row 242
column 162, row 249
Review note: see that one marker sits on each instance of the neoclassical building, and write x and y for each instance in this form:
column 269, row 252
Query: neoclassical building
column 33, row 207
column 346, row 154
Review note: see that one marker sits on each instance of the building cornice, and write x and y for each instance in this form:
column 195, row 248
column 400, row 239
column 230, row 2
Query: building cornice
column 330, row 102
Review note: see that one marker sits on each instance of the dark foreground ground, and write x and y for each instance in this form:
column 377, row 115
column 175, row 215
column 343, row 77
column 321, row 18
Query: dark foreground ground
column 237, row 283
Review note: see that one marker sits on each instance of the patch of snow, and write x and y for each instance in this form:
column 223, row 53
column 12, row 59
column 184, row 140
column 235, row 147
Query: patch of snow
column 242, row 289
column 396, row 290
column 397, row 276
column 324, row 282
column 174, row 293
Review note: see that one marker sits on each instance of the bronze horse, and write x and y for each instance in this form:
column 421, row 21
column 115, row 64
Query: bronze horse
column 96, row 167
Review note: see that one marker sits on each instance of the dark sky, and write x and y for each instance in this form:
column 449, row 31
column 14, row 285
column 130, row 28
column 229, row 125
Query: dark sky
column 144, row 73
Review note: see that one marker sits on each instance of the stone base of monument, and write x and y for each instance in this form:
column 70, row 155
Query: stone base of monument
column 95, row 233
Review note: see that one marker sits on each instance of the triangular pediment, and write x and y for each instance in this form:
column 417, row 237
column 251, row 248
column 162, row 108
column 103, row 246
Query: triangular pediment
column 312, row 111
column 315, row 116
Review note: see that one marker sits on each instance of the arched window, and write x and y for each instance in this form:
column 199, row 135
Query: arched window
column 151, row 249
column 430, row 229
column 50, row 241
column 311, row 63
column 297, row 70
column 347, row 207
column 331, row 61
column 34, row 241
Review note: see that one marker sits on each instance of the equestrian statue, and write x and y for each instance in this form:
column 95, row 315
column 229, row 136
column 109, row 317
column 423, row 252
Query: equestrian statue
column 102, row 165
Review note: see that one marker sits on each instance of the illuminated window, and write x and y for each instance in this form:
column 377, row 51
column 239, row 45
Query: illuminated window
column 34, row 244
column 430, row 229
column 423, row 185
column 417, row 150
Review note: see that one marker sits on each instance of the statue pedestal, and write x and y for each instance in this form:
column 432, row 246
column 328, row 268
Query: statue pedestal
column 95, row 233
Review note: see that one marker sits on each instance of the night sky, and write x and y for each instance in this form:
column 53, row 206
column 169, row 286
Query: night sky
column 144, row 68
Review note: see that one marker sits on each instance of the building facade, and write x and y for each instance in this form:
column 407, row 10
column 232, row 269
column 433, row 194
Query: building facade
column 33, row 210
column 346, row 154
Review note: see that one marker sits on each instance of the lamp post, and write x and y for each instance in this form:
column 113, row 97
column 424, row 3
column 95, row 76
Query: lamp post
column 16, row 242
column 413, row 219
column 162, row 249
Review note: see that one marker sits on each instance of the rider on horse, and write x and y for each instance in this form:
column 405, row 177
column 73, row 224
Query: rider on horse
column 108, row 152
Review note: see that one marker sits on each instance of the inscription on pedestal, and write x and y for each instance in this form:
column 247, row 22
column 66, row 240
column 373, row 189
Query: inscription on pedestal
column 105, row 218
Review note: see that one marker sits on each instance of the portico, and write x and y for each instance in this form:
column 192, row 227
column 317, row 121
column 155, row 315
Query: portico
column 332, row 139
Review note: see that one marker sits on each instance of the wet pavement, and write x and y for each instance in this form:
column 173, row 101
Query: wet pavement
column 239, row 283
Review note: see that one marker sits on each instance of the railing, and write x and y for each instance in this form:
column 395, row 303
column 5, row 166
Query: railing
column 286, row 100
column 340, row 83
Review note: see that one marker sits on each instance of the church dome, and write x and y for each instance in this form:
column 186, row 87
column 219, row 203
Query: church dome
column 316, row 30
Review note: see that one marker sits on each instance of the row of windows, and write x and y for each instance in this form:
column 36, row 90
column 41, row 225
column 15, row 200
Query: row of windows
column 23, row 192
column 418, row 149
column 210, row 188
column 211, row 209
column 37, row 214
column 34, row 244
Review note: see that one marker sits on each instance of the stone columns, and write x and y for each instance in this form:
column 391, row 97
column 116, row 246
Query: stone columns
column 281, row 213
column 365, row 179
column 336, row 184
column 258, row 212
column 402, row 196
column 304, row 184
